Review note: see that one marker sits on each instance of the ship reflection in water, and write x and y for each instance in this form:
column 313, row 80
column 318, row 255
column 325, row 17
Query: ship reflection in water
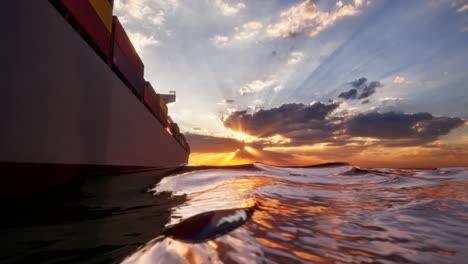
column 321, row 214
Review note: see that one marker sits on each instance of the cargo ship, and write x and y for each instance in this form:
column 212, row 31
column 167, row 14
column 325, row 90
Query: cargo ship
column 74, row 99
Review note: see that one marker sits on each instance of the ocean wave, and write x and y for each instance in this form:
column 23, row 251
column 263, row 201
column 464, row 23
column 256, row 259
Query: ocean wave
column 322, row 214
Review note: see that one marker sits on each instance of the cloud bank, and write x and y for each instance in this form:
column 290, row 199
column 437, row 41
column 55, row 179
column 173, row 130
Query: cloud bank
column 309, row 124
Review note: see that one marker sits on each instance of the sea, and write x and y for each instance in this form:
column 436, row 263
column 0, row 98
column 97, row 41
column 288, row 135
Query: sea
column 253, row 213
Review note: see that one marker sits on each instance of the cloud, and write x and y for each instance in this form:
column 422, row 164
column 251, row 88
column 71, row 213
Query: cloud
column 159, row 18
column 123, row 20
column 300, row 124
column 278, row 88
column 390, row 99
column 351, row 94
column 358, row 3
column 359, row 82
column 141, row 41
column 257, row 104
column 399, row 79
column 410, row 129
column 300, row 18
column 318, row 133
column 462, row 8
column 369, row 89
column 140, row 17
column 231, row 110
column 219, row 40
column 292, row 120
column 134, row 9
column 245, row 32
column 153, row 11
column 305, row 18
column 259, row 85
column 295, row 57
column 293, row 20
column 366, row 90
column 227, row 9
column 248, row 30
column 326, row 19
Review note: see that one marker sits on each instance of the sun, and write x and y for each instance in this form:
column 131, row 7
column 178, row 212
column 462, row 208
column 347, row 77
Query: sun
column 240, row 136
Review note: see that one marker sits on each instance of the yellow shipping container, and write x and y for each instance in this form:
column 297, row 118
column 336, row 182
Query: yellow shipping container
column 104, row 10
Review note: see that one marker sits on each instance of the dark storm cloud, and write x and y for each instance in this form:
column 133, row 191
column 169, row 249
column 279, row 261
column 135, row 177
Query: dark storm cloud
column 205, row 143
column 369, row 89
column 351, row 94
column 282, row 120
column 358, row 83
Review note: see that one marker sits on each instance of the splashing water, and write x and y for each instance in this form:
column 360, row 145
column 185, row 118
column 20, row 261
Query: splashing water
column 322, row 214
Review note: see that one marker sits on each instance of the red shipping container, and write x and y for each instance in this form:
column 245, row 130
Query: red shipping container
column 150, row 100
column 150, row 105
column 89, row 21
column 150, row 93
column 126, row 46
column 125, row 68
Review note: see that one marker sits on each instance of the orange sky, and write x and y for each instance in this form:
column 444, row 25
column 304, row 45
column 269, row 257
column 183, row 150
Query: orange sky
column 412, row 157
column 448, row 152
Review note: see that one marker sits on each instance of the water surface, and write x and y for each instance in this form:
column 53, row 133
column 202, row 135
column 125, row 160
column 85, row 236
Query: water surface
column 255, row 213
column 321, row 214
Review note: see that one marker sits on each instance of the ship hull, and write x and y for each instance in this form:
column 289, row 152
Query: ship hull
column 63, row 110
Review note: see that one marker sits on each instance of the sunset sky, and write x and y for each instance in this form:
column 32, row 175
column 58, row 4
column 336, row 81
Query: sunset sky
column 371, row 82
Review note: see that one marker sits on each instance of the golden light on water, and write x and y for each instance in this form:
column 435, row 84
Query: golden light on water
column 322, row 221
column 310, row 256
column 212, row 244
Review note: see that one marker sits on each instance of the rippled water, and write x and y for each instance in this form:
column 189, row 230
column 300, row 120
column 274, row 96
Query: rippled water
column 324, row 214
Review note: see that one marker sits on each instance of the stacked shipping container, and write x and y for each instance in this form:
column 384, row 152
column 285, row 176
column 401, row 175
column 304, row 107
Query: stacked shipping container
column 153, row 102
column 90, row 22
column 126, row 60
column 106, row 35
